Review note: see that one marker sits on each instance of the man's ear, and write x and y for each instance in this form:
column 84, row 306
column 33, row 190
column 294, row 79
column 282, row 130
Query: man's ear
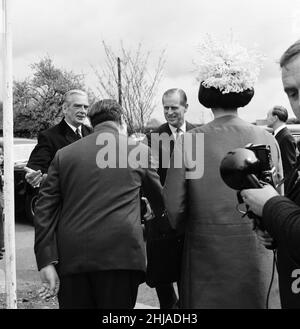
column 64, row 108
column 186, row 107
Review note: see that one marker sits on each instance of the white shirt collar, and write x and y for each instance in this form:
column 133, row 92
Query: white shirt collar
column 74, row 128
column 182, row 129
column 276, row 131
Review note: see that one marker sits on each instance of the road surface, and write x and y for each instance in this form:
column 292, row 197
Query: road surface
column 28, row 276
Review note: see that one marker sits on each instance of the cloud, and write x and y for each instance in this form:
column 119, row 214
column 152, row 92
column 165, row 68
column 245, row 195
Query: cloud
column 70, row 31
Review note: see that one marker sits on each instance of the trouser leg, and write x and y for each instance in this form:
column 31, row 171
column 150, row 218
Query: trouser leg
column 75, row 292
column 166, row 296
column 116, row 289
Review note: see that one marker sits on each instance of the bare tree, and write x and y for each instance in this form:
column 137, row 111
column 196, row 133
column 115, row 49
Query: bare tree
column 138, row 85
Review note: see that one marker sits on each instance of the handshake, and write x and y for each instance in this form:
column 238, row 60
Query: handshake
column 146, row 211
column 34, row 177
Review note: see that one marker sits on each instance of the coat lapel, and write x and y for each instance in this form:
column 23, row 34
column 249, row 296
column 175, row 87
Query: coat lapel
column 69, row 134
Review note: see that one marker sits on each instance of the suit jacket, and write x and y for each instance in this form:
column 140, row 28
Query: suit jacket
column 164, row 245
column 163, row 153
column 51, row 140
column 88, row 218
column 287, row 146
column 281, row 219
column 162, row 143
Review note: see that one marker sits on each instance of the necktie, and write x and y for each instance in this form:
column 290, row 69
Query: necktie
column 178, row 132
column 77, row 132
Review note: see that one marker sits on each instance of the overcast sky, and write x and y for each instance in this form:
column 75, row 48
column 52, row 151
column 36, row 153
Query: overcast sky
column 70, row 32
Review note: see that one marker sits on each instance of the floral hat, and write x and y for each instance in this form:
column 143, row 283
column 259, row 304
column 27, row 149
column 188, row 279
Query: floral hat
column 226, row 69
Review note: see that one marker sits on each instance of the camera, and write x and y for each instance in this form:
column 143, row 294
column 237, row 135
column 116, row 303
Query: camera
column 249, row 167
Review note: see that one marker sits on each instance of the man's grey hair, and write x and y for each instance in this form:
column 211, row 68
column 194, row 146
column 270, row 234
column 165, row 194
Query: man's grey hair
column 72, row 92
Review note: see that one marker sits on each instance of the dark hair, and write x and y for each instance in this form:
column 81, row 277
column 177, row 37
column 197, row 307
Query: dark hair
column 106, row 110
column 281, row 112
column 290, row 53
column 213, row 98
column 182, row 94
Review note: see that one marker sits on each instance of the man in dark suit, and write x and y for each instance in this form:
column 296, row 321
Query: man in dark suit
column 277, row 118
column 88, row 232
column 70, row 129
column 158, row 230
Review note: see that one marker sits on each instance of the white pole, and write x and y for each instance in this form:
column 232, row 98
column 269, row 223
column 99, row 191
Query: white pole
column 9, row 204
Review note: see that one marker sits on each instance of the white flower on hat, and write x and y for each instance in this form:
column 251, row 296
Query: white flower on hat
column 227, row 66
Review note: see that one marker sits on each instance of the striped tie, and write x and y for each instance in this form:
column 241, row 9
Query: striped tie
column 178, row 133
column 77, row 132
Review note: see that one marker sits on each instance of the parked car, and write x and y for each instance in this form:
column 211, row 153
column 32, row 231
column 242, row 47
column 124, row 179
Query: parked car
column 25, row 195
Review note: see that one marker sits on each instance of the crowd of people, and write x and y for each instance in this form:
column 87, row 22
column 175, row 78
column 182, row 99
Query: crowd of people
column 92, row 250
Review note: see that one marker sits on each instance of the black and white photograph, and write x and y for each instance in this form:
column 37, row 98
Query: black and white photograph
column 150, row 157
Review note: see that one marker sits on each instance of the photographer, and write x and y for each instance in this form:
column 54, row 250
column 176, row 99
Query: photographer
column 281, row 215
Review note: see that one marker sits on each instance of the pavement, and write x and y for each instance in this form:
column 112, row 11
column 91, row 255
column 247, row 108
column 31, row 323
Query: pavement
column 28, row 276
column 143, row 306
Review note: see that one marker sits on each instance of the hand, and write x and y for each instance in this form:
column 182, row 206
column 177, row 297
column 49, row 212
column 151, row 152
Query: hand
column 257, row 198
column 264, row 238
column 149, row 213
column 50, row 282
column 34, row 177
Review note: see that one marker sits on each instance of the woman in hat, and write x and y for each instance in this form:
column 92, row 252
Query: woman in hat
column 224, row 264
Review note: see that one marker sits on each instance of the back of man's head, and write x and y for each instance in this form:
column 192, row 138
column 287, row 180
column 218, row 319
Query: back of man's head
column 281, row 112
column 106, row 110
column 180, row 92
column 290, row 54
